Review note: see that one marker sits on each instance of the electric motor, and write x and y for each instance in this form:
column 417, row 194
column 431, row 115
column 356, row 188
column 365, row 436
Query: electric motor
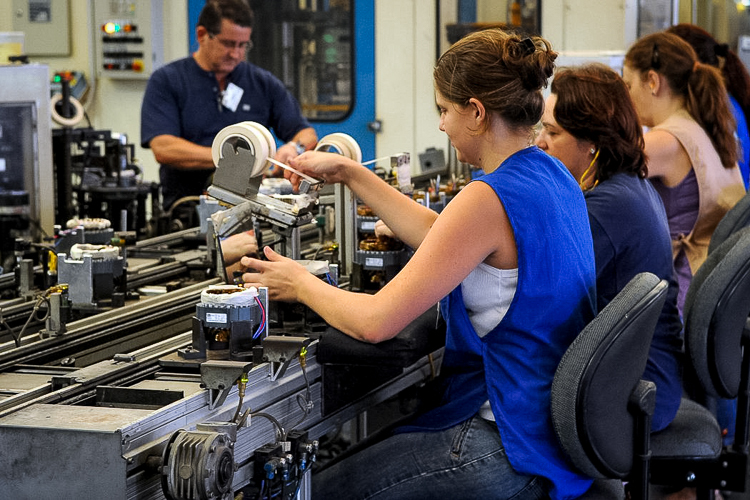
column 198, row 465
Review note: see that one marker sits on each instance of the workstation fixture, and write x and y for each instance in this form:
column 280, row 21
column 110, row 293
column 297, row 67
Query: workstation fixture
column 133, row 363
column 172, row 381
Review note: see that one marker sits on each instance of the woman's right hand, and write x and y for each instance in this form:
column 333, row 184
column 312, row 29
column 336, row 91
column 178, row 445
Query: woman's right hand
column 330, row 167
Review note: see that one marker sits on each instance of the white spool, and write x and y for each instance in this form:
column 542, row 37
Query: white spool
column 344, row 143
column 267, row 135
column 61, row 120
column 256, row 136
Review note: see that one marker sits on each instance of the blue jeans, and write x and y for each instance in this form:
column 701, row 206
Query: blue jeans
column 464, row 462
column 726, row 413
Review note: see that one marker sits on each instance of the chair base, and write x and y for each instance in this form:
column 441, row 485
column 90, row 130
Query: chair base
column 727, row 472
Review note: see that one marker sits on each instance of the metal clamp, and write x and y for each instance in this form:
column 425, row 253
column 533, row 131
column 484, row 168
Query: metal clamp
column 219, row 377
column 279, row 351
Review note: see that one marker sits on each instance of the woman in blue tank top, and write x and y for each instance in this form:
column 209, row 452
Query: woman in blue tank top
column 523, row 225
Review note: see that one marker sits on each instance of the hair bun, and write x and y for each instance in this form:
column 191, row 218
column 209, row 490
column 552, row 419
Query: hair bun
column 527, row 46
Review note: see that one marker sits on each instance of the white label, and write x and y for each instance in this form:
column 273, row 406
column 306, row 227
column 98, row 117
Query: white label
column 404, row 170
column 232, row 96
column 368, row 225
column 373, row 262
column 216, row 318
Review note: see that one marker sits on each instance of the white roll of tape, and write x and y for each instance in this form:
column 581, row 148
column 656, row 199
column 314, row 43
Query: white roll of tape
column 344, row 144
column 267, row 135
column 251, row 135
column 61, row 120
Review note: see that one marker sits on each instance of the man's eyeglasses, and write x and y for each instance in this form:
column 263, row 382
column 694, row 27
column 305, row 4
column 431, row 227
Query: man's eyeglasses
column 232, row 45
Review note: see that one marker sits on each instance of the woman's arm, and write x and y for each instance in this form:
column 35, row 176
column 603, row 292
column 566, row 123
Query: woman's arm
column 459, row 240
column 666, row 157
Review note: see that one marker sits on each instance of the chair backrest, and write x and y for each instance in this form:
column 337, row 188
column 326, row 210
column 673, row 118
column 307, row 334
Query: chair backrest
column 598, row 373
column 735, row 219
column 716, row 310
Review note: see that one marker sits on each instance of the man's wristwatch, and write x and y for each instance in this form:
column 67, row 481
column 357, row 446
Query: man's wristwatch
column 298, row 146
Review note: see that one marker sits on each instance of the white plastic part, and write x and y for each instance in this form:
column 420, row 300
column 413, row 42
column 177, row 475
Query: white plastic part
column 88, row 223
column 98, row 252
column 229, row 295
column 61, row 120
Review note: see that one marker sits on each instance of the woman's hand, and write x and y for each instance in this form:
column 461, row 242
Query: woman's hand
column 280, row 274
column 330, row 167
column 237, row 246
column 284, row 154
column 382, row 230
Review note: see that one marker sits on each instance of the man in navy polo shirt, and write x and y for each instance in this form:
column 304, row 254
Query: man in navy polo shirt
column 188, row 101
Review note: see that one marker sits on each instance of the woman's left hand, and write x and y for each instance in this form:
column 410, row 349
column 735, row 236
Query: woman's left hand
column 382, row 230
column 280, row 274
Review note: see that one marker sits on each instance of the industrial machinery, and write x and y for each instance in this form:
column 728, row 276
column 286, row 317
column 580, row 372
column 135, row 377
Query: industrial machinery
column 197, row 391
column 48, row 177
column 230, row 322
column 92, row 272
column 100, row 269
column 248, row 147
column 97, row 177
column 150, row 423
column 26, row 195
column 377, row 259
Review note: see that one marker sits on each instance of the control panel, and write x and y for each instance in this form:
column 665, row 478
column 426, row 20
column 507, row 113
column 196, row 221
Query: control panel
column 45, row 25
column 129, row 37
column 76, row 79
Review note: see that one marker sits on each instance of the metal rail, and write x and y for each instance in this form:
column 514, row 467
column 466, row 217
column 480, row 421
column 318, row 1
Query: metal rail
column 137, row 320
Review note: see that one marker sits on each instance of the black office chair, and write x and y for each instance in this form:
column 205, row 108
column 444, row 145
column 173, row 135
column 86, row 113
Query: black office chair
column 689, row 452
column 601, row 410
column 738, row 217
column 735, row 219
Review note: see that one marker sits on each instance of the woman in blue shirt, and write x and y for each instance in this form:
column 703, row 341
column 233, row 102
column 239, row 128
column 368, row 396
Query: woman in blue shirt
column 512, row 258
column 590, row 124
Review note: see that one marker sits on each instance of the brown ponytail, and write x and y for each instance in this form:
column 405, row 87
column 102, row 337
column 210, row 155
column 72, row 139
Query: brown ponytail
column 719, row 55
column 711, row 110
column 701, row 85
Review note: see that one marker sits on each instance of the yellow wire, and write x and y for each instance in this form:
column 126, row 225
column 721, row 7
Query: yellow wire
column 582, row 182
